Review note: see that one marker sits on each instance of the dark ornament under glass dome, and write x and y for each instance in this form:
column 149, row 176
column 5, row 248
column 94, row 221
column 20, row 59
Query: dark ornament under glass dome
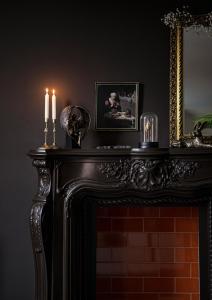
column 149, row 130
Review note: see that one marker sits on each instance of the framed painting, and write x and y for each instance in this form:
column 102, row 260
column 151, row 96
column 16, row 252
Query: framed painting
column 117, row 106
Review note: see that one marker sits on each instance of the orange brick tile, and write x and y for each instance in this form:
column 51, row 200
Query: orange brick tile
column 142, row 254
column 143, row 270
column 119, row 254
column 103, row 224
column 148, row 296
column 127, row 225
column 144, row 212
column 195, row 270
column 165, row 255
column 159, row 285
column 103, row 285
column 103, row 254
column 118, row 211
column 112, row 239
column 136, row 239
column 195, row 239
column 187, row 285
column 144, row 257
column 159, row 225
column 186, row 255
column 131, row 254
column 175, row 212
column 187, row 224
column 175, row 239
column 126, row 296
column 130, row 285
column 174, row 297
column 144, row 297
column 111, row 269
column 195, row 297
column 175, row 270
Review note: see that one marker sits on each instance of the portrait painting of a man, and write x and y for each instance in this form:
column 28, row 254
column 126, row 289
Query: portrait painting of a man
column 117, row 106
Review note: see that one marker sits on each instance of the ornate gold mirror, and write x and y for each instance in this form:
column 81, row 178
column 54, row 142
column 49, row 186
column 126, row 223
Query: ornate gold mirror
column 190, row 78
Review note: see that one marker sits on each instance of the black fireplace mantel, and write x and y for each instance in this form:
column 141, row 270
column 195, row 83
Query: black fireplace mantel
column 72, row 182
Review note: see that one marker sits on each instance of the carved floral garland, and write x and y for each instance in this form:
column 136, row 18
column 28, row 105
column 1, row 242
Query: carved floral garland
column 185, row 19
column 148, row 175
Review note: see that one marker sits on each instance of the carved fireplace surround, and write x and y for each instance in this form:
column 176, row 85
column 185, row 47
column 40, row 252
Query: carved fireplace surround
column 72, row 183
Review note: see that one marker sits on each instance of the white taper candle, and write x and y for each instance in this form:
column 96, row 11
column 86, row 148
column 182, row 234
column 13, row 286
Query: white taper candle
column 53, row 105
column 46, row 106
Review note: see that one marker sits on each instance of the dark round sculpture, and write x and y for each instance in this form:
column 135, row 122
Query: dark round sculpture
column 75, row 120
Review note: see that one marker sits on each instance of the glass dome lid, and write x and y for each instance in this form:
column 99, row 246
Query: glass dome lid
column 149, row 130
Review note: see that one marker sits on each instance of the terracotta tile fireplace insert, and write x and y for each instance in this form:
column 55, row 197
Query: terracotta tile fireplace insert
column 148, row 253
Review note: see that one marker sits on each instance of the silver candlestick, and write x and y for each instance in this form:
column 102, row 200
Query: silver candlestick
column 45, row 145
column 54, row 146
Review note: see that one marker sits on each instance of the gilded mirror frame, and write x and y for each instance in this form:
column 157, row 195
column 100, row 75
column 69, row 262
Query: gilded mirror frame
column 176, row 85
column 176, row 73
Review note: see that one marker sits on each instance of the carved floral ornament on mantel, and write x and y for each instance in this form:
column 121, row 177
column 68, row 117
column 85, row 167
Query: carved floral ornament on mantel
column 183, row 18
column 148, row 175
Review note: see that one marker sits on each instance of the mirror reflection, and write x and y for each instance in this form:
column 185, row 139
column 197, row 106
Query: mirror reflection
column 197, row 79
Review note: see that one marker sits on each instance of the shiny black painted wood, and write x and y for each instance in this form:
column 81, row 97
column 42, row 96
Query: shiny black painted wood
column 73, row 182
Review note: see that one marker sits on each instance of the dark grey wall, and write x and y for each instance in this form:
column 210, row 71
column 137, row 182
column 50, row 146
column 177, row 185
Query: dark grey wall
column 70, row 48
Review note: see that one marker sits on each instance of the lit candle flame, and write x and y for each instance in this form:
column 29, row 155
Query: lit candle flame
column 53, row 91
column 47, row 90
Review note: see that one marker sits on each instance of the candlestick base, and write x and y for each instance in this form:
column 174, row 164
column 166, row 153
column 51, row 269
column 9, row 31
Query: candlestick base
column 54, row 147
column 147, row 145
column 44, row 147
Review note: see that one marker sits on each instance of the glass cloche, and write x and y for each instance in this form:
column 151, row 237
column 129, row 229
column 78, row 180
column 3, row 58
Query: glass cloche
column 149, row 130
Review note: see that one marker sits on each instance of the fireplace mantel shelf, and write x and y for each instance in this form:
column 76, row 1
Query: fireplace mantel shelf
column 68, row 180
column 113, row 152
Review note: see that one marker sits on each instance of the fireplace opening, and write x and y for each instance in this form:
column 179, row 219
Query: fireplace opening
column 149, row 253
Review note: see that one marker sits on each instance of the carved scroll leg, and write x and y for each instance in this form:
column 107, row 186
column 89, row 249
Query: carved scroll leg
column 41, row 232
column 41, row 282
column 67, row 286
